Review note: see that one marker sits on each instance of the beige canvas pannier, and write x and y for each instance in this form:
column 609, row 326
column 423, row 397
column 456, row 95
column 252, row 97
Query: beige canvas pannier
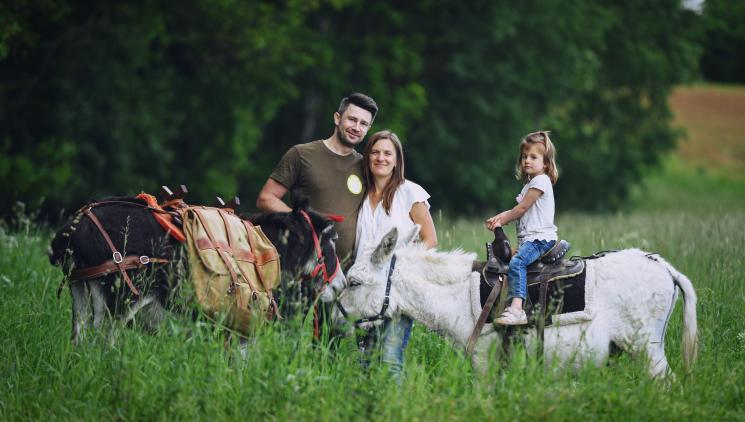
column 234, row 267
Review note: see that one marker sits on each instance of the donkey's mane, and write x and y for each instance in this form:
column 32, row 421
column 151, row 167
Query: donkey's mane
column 439, row 267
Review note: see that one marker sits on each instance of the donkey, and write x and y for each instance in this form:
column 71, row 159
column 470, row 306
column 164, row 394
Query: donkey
column 133, row 231
column 633, row 297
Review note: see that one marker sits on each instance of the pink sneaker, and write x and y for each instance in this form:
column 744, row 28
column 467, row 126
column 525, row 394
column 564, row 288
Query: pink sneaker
column 512, row 316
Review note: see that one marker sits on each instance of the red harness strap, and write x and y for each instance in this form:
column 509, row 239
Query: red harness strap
column 321, row 265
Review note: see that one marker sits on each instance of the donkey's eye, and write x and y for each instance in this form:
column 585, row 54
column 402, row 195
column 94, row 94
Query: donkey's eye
column 353, row 282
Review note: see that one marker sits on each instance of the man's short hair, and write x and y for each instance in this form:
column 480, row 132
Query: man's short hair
column 360, row 100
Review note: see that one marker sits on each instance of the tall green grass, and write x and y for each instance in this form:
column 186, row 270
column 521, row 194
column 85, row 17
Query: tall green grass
column 289, row 376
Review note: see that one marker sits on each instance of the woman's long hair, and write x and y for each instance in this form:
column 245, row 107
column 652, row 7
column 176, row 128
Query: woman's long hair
column 397, row 178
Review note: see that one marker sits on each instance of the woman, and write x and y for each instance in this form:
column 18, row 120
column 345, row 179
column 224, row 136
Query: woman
column 391, row 201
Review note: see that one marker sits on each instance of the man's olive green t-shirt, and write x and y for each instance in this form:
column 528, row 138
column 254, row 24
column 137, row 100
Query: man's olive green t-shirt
column 332, row 183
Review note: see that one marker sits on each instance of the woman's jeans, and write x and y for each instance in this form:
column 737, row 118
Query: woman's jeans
column 396, row 333
column 528, row 253
column 392, row 338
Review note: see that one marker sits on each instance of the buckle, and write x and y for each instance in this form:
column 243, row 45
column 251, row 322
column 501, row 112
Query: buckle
column 144, row 260
column 117, row 257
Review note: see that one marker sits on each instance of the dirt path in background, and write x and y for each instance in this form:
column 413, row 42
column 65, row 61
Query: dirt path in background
column 714, row 119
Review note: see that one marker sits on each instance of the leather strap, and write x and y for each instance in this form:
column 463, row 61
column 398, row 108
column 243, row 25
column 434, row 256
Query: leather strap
column 130, row 262
column 252, row 245
column 485, row 311
column 321, row 265
column 115, row 253
column 540, row 324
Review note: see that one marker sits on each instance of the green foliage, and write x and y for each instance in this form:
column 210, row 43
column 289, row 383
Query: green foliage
column 172, row 375
column 113, row 98
column 724, row 41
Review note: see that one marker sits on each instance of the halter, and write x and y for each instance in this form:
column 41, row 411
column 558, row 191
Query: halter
column 386, row 299
column 321, row 259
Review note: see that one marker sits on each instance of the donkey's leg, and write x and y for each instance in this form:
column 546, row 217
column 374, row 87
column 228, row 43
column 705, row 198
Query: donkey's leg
column 243, row 345
column 100, row 308
column 657, row 366
column 480, row 359
column 143, row 302
column 577, row 344
column 655, row 346
column 99, row 304
column 80, row 307
column 153, row 315
column 644, row 334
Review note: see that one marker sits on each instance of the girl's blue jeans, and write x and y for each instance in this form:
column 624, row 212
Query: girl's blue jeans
column 528, row 253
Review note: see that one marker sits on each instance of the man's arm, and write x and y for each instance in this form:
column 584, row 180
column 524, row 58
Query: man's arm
column 270, row 197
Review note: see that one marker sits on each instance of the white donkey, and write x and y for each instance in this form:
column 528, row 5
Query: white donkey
column 633, row 295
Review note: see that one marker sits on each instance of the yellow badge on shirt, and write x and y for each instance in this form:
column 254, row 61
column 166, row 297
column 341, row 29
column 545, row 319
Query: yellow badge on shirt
column 354, row 184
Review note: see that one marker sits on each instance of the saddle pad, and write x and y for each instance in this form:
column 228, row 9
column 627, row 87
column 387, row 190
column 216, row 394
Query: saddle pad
column 564, row 296
column 576, row 306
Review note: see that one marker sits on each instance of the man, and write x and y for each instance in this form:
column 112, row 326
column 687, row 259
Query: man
column 328, row 172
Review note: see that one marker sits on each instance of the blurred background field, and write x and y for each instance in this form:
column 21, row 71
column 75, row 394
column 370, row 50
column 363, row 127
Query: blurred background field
column 706, row 171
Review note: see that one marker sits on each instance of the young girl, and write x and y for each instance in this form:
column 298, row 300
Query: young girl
column 536, row 232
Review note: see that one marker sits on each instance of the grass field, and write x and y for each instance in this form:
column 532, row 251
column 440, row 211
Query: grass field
column 692, row 217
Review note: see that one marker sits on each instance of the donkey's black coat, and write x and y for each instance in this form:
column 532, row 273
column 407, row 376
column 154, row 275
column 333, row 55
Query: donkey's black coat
column 133, row 231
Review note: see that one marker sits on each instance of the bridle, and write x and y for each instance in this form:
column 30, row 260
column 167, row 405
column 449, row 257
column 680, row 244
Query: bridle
column 320, row 258
column 386, row 300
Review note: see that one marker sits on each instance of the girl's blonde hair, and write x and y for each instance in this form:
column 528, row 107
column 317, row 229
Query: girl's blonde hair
column 549, row 155
column 397, row 178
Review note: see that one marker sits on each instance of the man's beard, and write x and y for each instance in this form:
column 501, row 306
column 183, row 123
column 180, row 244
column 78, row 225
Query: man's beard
column 343, row 138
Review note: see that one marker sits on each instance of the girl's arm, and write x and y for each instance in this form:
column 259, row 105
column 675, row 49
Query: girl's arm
column 420, row 215
column 511, row 215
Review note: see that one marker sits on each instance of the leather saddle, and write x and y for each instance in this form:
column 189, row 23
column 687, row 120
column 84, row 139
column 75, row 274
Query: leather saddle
column 549, row 267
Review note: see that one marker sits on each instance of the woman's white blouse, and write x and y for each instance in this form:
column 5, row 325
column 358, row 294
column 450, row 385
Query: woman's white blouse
column 373, row 224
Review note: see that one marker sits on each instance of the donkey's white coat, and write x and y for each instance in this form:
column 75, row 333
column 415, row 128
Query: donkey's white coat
column 633, row 297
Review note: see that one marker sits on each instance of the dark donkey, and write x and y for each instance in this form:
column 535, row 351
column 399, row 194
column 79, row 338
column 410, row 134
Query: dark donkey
column 304, row 240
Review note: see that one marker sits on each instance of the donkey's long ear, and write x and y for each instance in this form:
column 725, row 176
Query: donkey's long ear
column 386, row 246
column 412, row 235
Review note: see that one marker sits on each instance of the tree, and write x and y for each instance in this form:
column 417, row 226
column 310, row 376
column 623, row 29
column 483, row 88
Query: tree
column 114, row 98
column 724, row 41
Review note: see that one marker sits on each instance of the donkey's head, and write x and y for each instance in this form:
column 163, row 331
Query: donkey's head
column 306, row 243
column 367, row 281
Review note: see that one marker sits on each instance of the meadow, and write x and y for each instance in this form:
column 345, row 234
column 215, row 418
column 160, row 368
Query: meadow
column 692, row 212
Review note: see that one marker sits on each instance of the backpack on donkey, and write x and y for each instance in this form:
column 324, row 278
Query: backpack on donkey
column 234, row 267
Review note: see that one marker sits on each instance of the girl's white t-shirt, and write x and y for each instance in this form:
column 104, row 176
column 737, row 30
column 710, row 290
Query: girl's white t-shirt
column 373, row 224
column 538, row 221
